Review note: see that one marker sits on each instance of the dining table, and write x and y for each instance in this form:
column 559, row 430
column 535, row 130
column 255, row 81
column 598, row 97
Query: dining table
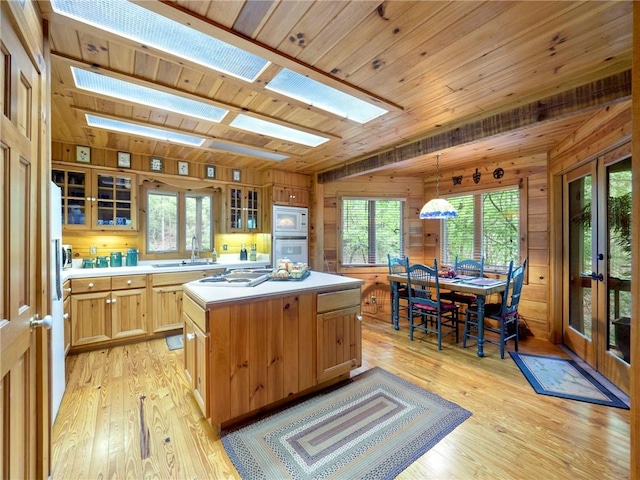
column 481, row 287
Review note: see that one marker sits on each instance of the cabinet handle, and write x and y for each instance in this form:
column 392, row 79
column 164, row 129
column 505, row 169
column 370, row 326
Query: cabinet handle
column 90, row 285
column 129, row 282
column 191, row 336
column 359, row 318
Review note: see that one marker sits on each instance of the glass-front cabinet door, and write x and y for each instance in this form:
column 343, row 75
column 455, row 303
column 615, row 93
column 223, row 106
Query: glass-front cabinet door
column 243, row 205
column 76, row 196
column 115, row 205
column 96, row 200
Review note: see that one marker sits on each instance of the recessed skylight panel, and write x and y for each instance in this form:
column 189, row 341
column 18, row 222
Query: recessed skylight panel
column 254, row 125
column 252, row 152
column 143, row 131
column 131, row 92
column 314, row 93
column 148, row 28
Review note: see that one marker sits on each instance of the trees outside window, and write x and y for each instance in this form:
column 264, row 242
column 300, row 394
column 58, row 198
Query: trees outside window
column 371, row 229
column 487, row 225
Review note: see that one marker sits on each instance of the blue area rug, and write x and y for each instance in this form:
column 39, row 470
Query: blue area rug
column 372, row 426
column 174, row 342
column 560, row 377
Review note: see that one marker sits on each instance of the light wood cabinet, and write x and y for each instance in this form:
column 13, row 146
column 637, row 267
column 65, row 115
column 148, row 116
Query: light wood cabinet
column 96, row 200
column 166, row 298
column 295, row 197
column 339, row 333
column 104, row 309
column 196, row 352
column 243, row 210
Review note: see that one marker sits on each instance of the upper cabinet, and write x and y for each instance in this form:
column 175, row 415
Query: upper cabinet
column 243, row 210
column 96, row 200
column 292, row 196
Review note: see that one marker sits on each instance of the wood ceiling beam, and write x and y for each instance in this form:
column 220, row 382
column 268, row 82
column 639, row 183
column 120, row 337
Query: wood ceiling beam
column 592, row 95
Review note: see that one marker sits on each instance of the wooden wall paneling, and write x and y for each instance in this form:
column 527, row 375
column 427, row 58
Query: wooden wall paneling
column 634, row 473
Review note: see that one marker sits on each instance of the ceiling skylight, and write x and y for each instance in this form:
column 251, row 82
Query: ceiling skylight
column 131, row 92
column 148, row 28
column 244, row 122
column 141, row 130
column 314, row 93
column 252, row 152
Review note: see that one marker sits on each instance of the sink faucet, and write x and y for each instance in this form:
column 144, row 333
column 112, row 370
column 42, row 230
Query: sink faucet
column 194, row 249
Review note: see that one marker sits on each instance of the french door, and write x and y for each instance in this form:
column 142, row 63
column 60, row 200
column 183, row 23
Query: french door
column 597, row 266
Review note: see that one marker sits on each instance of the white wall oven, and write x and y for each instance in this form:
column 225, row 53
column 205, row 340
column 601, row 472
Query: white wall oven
column 296, row 250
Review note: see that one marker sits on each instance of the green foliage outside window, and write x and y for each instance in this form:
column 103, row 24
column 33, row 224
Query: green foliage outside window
column 370, row 230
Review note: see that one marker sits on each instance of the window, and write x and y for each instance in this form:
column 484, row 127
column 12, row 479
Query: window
column 488, row 224
column 371, row 228
column 171, row 212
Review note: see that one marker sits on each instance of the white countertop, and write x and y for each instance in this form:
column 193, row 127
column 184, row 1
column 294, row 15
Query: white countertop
column 207, row 293
column 147, row 266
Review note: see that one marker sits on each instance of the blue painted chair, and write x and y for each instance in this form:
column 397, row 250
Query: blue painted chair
column 504, row 314
column 399, row 306
column 427, row 311
column 468, row 267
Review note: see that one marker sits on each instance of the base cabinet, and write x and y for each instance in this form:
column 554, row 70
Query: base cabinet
column 263, row 350
column 196, row 352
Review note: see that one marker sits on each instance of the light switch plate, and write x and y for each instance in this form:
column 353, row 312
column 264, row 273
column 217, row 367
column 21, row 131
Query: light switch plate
column 183, row 168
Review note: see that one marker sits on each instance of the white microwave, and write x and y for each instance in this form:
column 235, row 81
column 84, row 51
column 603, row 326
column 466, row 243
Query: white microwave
column 290, row 221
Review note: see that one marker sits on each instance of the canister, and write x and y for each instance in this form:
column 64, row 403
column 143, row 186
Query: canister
column 115, row 259
column 101, row 262
column 87, row 263
column 132, row 257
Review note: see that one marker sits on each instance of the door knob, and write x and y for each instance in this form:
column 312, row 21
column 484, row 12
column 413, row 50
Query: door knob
column 46, row 322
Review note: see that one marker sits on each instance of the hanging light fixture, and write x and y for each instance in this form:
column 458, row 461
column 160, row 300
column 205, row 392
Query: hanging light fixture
column 437, row 208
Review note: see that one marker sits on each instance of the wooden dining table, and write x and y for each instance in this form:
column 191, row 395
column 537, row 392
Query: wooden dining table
column 480, row 287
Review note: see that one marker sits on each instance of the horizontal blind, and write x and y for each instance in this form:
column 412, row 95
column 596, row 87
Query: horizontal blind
column 457, row 237
column 501, row 228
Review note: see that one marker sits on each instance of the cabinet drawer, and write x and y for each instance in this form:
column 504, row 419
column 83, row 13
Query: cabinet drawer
column 128, row 281
column 195, row 313
column 90, row 284
column 337, row 300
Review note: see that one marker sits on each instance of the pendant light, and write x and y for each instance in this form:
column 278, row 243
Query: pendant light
column 437, row 208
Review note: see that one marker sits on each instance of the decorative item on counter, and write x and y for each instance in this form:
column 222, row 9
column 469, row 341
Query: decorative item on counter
column 253, row 254
column 447, row 273
column 101, row 262
column 214, row 255
column 132, row 257
column 287, row 270
column 87, row 263
column 115, row 259
column 243, row 252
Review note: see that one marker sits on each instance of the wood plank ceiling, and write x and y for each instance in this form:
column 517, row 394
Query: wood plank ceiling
column 438, row 66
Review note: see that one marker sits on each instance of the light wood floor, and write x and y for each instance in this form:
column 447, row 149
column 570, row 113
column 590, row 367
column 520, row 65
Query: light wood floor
column 128, row 413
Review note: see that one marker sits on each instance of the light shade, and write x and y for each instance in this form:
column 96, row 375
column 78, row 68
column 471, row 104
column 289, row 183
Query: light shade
column 437, row 208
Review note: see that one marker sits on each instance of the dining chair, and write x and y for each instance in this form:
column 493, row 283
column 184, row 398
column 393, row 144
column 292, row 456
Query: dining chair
column 433, row 315
column 399, row 265
column 505, row 315
column 470, row 268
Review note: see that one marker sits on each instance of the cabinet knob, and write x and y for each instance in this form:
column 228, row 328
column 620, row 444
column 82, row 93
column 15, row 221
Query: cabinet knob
column 108, row 300
column 129, row 282
column 114, row 300
column 90, row 285
column 66, row 289
column 191, row 336
column 359, row 318
column 65, row 316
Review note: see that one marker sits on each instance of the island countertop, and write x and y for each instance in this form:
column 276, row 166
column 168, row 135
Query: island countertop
column 208, row 293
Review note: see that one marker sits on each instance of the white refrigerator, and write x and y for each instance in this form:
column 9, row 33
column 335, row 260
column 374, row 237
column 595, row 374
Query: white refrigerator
column 56, row 348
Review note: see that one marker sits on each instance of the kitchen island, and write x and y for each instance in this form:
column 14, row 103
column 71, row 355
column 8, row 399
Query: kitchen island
column 253, row 348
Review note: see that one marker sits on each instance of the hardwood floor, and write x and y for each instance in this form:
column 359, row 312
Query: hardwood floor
column 128, row 413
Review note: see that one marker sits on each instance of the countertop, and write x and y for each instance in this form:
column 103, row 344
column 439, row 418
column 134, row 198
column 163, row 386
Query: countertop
column 147, row 266
column 209, row 293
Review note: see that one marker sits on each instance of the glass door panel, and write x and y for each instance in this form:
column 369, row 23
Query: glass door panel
column 114, row 200
column 579, row 252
